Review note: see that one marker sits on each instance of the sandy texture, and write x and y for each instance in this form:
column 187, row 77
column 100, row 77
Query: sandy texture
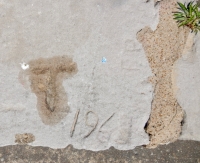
column 163, row 47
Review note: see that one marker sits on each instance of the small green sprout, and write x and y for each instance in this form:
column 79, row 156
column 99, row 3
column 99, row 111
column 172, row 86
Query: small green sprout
column 189, row 16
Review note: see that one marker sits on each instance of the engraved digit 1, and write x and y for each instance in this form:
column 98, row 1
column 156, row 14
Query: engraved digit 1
column 74, row 123
column 94, row 126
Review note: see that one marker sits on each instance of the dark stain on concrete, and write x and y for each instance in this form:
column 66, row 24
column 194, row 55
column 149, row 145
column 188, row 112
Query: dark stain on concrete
column 46, row 76
column 178, row 152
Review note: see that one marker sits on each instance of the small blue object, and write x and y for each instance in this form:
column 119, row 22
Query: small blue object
column 103, row 60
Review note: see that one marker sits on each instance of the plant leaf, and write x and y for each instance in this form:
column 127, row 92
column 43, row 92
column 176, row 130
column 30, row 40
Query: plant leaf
column 182, row 6
column 188, row 15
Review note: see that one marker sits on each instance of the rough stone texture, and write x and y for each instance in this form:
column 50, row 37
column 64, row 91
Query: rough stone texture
column 163, row 47
column 178, row 152
column 35, row 32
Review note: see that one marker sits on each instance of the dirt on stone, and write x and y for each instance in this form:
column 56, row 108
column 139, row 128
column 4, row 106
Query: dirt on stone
column 24, row 138
column 46, row 76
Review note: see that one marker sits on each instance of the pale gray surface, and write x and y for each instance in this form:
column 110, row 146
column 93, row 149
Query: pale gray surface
column 188, row 93
column 87, row 31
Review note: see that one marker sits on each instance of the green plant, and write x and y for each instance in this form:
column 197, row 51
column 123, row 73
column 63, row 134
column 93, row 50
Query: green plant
column 189, row 15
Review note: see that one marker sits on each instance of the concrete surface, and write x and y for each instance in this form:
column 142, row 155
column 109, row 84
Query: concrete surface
column 187, row 70
column 89, row 82
column 186, row 85
column 43, row 100
column 178, row 152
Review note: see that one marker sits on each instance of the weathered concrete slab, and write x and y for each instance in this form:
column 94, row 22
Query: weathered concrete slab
column 42, row 101
column 186, row 86
column 187, row 72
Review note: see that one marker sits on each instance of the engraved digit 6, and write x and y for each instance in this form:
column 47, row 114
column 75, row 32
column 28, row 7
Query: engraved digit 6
column 100, row 131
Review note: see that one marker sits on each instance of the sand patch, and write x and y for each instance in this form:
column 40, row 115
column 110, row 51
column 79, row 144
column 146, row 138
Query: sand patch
column 163, row 47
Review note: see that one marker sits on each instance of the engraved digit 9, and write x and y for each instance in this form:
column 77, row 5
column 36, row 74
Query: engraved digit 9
column 91, row 125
